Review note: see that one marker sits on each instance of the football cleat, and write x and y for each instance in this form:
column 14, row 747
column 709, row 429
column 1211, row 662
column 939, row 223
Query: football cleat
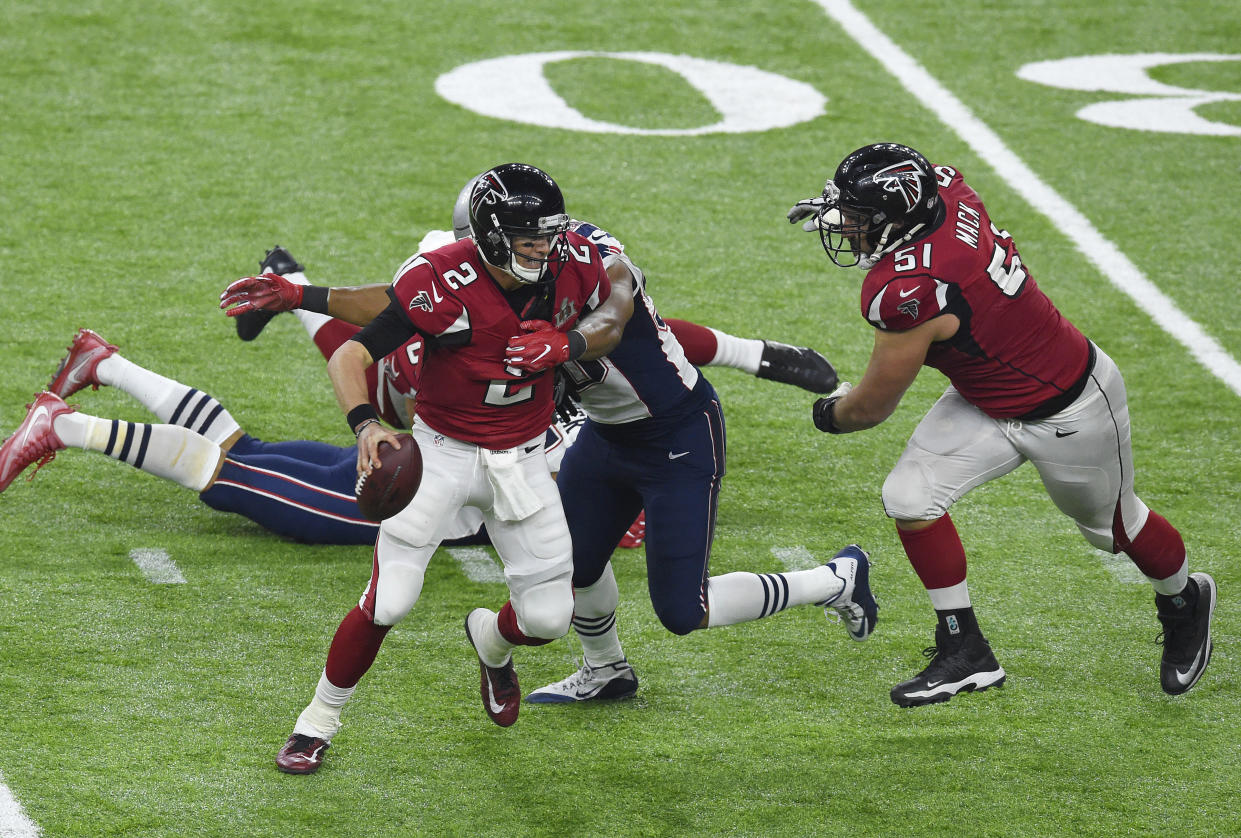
column 77, row 369
column 35, row 440
column 1186, row 635
column 798, row 366
column 498, row 684
column 590, row 683
column 961, row 663
column 277, row 261
column 636, row 534
column 302, row 754
column 855, row 603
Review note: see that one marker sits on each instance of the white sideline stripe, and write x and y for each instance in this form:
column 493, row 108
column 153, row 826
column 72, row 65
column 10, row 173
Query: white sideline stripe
column 157, row 567
column 987, row 144
column 1121, row 568
column 477, row 564
column 795, row 558
column 13, row 821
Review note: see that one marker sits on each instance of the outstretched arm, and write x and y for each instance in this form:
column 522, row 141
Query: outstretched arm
column 271, row 292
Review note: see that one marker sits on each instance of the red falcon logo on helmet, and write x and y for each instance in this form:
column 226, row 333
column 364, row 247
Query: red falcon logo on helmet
column 488, row 190
column 904, row 178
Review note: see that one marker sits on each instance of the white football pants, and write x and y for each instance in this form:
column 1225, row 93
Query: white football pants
column 1083, row 455
column 536, row 551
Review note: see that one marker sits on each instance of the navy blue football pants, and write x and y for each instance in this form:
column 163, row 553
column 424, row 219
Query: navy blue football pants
column 676, row 479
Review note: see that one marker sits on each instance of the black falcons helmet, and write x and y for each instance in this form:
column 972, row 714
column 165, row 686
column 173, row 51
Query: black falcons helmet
column 881, row 196
column 518, row 200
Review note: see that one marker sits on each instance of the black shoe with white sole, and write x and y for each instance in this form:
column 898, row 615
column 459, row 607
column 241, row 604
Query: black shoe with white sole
column 961, row 663
column 1186, row 637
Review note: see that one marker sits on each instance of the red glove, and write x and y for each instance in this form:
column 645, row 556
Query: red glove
column 542, row 347
column 269, row 292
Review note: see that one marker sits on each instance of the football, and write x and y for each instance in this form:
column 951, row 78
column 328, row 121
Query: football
column 389, row 489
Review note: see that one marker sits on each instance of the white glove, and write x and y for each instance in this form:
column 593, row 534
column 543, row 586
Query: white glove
column 811, row 208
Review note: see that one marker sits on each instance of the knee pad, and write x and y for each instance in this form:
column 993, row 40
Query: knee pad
column 1112, row 535
column 397, row 591
column 907, row 494
column 1100, row 539
column 545, row 610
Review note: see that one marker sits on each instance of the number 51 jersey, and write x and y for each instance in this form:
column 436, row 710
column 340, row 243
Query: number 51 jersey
column 1014, row 352
column 465, row 389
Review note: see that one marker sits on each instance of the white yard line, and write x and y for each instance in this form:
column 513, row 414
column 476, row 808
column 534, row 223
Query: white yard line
column 477, row 564
column 1121, row 568
column 987, row 144
column 13, row 821
column 795, row 558
column 157, row 567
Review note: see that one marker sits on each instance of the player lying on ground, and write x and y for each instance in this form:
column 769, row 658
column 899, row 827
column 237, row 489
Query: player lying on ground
column 299, row 489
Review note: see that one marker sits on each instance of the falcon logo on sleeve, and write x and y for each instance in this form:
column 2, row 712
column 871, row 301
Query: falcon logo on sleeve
column 421, row 300
column 904, row 179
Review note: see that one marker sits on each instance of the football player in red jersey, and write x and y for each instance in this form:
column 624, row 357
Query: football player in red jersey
column 946, row 288
column 480, row 424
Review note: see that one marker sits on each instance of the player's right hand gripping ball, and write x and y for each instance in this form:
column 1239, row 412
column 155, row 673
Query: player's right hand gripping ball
column 389, row 489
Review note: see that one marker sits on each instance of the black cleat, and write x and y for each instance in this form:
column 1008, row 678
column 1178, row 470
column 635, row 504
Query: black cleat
column 1186, row 636
column 277, row 261
column 798, row 366
column 958, row 664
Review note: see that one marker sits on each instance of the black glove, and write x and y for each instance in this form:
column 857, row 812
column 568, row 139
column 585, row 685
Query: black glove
column 824, row 410
column 565, row 394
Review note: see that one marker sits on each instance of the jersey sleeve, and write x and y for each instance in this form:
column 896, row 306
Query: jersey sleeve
column 897, row 304
column 426, row 300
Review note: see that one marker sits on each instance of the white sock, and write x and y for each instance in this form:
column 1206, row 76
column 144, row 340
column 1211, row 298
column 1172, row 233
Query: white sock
column 741, row 597
column 171, row 401
column 321, row 718
column 738, row 353
column 953, row 598
column 167, row 451
column 594, row 620
column 492, row 648
column 1174, row 584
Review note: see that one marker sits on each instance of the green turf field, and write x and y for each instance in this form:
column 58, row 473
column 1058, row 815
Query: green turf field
column 152, row 152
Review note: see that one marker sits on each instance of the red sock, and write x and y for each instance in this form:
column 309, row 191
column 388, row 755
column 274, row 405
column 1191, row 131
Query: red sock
column 510, row 632
column 698, row 341
column 353, row 648
column 1157, row 549
column 332, row 335
column 936, row 554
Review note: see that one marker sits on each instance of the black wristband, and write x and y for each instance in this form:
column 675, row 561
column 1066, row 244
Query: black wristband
column 314, row 298
column 360, row 414
column 577, row 344
column 825, row 415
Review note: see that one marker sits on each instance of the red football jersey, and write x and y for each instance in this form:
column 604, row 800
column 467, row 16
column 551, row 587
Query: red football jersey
column 1014, row 350
column 465, row 390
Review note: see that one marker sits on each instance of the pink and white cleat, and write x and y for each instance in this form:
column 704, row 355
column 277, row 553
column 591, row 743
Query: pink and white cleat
column 34, row 440
column 77, row 369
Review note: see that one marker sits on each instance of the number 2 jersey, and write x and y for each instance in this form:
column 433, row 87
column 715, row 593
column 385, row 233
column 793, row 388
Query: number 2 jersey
column 465, row 319
column 1015, row 355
